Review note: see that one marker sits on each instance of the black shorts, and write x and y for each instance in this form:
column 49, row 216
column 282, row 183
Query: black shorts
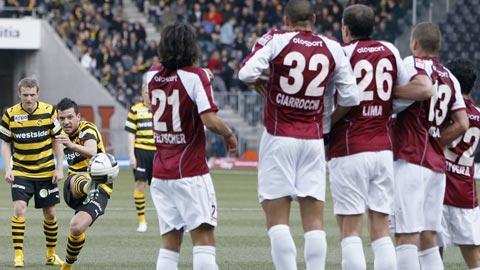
column 94, row 208
column 143, row 172
column 44, row 192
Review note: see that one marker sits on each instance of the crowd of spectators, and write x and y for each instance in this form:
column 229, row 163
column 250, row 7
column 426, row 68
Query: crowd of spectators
column 117, row 53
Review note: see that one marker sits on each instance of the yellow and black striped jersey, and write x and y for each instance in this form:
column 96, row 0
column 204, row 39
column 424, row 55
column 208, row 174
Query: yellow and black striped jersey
column 31, row 135
column 85, row 131
column 139, row 122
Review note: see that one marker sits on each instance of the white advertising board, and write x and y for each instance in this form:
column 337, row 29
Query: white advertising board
column 20, row 34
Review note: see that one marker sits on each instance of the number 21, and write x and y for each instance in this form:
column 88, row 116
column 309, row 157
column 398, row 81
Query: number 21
column 159, row 97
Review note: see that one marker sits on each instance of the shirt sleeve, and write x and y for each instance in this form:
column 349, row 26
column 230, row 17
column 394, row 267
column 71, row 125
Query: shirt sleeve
column 131, row 123
column 5, row 133
column 344, row 81
column 88, row 133
column 458, row 103
column 56, row 127
column 203, row 95
column 258, row 60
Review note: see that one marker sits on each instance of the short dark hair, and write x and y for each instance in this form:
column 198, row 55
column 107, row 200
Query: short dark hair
column 28, row 82
column 360, row 20
column 66, row 104
column 178, row 46
column 299, row 12
column 428, row 35
column 465, row 72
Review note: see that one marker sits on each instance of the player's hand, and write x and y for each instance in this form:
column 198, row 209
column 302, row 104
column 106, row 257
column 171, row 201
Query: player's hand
column 64, row 139
column 260, row 86
column 9, row 176
column 57, row 176
column 231, row 143
column 133, row 162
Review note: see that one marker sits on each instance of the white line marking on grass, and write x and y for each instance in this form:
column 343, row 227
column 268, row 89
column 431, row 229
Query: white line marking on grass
column 148, row 209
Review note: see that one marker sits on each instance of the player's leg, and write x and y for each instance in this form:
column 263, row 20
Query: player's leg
column 170, row 252
column 170, row 222
column 204, row 252
column 140, row 174
column 429, row 254
column 310, row 182
column 276, row 185
column 283, row 250
column 76, row 237
column 46, row 197
column 471, row 255
column 380, row 204
column 408, row 217
column 315, row 251
column 22, row 190
column 349, row 190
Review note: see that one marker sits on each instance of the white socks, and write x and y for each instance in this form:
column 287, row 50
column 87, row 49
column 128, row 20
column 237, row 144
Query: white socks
column 407, row 257
column 284, row 252
column 384, row 252
column 167, row 259
column 353, row 257
column 204, row 258
column 430, row 259
column 315, row 251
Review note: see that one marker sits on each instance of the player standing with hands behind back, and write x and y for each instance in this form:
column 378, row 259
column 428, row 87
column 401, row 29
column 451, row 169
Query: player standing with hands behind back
column 292, row 158
column 182, row 190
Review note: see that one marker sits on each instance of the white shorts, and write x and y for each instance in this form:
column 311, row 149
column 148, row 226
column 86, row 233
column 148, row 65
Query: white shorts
column 460, row 226
column 418, row 202
column 291, row 167
column 362, row 181
column 184, row 203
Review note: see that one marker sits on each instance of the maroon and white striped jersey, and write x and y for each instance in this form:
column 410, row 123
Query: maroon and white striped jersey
column 301, row 65
column 417, row 128
column 461, row 191
column 178, row 99
column 378, row 67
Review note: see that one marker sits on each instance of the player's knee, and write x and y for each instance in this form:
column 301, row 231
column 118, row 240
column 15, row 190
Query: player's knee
column 407, row 239
column 76, row 227
column 20, row 208
column 428, row 239
column 49, row 213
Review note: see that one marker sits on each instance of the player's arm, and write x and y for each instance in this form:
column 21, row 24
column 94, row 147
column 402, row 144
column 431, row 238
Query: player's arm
column 131, row 150
column 339, row 113
column 419, row 88
column 216, row 125
column 456, row 129
column 7, row 158
column 58, row 153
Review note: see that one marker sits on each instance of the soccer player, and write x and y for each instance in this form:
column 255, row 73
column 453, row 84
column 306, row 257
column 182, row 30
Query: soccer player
column 141, row 150
column 182, row 190
column 362, row 138
column 28, row 128
column 82, row 141
column 418, row 149
column 292, row 158
column 461, row 215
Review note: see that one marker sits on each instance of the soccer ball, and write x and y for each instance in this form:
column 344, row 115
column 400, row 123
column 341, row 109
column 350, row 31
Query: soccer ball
column 103, row 168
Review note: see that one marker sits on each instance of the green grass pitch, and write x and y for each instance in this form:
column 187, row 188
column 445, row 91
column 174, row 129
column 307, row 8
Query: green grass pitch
column 113, row 243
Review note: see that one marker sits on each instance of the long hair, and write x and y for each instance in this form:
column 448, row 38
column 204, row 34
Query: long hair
column 178, row 46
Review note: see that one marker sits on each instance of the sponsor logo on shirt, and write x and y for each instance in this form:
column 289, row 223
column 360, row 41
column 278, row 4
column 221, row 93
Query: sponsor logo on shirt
column 170, row 138
column 145, row 124
column 18, row 186
column 29, row 135
column 371, row 49
column 20, row 118
column 165, row 79
column 308, row 43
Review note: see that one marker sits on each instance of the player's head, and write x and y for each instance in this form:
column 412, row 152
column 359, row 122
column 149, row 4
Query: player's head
column 103, row 168
column 28, row 93
column 178, row 46
column 357, row 22
column 425, row 39
column 464, row 71
column 299, row 13
column 68, row 115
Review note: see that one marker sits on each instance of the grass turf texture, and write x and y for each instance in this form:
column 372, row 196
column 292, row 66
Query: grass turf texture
column 113, row 243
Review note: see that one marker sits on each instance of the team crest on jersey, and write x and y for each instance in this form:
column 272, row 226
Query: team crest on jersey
column 419, row 63
column 20, row 118
column 39, row 122
column 265, row 39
